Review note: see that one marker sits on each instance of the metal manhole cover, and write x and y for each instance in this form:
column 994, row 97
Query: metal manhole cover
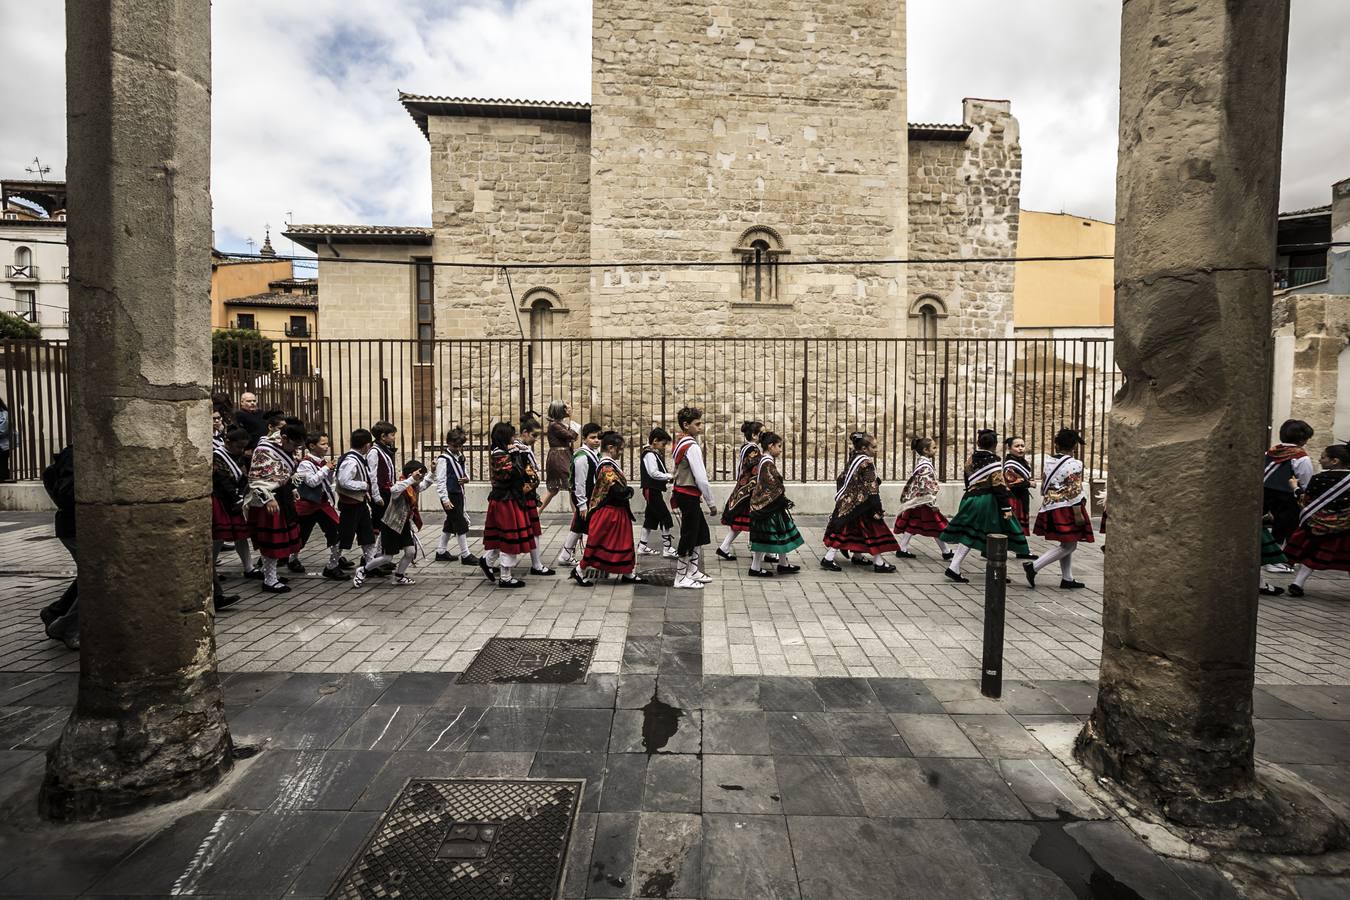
column 468, row 839
column 658, row 576
column 530, row 660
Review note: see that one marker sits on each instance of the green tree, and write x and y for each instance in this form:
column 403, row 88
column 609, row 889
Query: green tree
column 242, row 348
column 14, row 328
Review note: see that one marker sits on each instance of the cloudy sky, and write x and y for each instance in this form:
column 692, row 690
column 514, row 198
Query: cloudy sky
column 306, row 126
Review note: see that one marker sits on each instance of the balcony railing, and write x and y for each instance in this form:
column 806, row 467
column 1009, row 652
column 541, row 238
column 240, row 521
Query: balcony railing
column 21, row 273
column 297, row 331
column 1292, row 278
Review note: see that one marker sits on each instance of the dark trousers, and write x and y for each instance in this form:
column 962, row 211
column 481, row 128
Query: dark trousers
column 325, row 524
column 1284, row 509
column 64, row 612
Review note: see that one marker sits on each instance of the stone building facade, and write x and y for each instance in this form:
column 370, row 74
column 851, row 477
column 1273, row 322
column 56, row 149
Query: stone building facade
column 727, row 149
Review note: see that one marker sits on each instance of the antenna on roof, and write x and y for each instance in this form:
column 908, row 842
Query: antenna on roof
column 38, row 169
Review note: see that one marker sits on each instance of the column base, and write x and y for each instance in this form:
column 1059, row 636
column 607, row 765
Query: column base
column 136, row 744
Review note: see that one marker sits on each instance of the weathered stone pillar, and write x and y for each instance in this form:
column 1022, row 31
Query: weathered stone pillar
column 148, row 725
column 1201, row 104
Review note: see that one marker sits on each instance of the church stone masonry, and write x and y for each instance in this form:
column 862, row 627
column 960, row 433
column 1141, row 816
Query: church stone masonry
column 713, row 137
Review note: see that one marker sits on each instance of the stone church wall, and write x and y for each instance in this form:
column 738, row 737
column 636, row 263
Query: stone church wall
column 707, row 121
column 963, row 202
column 517, row 190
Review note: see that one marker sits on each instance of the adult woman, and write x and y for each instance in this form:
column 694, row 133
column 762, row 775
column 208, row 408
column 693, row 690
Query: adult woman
column 561, row 437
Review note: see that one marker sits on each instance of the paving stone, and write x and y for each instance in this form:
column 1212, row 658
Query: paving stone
column 635, row 690
column 937, row 736
column 380, row 728
column 588, row 766
column 1047, row 789
column 176, row 859
column 1304, row 741
column 735, row 731
column 748, row 856
column 598, row 692
column 1001, row 737
column 416, row 689
column 674, row 785
column 866, row 734
column 741, row 784
column 330, row 861
column 905, row 695
column 1332, row 784
column 270, row 854
column 611, row 870
column 680, row 691
column 669, row 859
column 1003, row 851
column 788, row 694
column 242, row 688
column 803, row 734
column 1322, row 701
column 31, row 727
column 817, row 786
column 730, row 692
column 577, row 866
column 59, row 861
column 1266, row 705
column 625, row 782
column 1314, row 888
column 846, row 694
column 402, row 765
column 291, row 728
column 495, row 764
column 1119, row 853
column 584, row 730
column 445, row 729
column 626, row 734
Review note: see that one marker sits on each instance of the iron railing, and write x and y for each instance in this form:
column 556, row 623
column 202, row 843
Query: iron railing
column 811, row 391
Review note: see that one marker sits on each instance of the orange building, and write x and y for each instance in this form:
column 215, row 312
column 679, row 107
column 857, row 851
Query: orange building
column 233, row 277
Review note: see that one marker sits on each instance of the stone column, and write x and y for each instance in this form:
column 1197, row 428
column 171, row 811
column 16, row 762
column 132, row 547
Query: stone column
column 1201, row 104
column 148, row 725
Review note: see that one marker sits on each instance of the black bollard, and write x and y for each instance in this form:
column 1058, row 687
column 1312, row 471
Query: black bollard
column 995, row 591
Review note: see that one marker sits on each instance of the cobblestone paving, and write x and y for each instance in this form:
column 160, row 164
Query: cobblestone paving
column 913, row 624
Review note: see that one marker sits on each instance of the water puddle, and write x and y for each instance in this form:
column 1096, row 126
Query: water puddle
column 1057, row 851
column 660, row 721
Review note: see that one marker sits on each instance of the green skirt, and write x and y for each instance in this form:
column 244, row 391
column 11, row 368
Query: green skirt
column 1271, row 554
column 979, row 517
column 774, row 533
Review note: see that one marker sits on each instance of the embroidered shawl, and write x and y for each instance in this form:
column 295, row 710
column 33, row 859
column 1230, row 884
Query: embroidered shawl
column 769, row 493
column 923, row 486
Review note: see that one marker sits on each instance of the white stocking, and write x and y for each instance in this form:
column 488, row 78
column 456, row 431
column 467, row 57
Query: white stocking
column 962, row 551
column 408, row 554
column 830, row 554
column 443, row 545
column 942, row 548
column 536, row 561
column 245, row 554
column 1059, row 551
column 728, row 541
column 904, row 542
column 1302, row 575
column 463, row 544
column 269, row 570
column 757, row 561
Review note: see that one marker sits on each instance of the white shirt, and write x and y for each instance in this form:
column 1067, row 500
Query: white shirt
column 651, row 464
column 696, row 468
column 580, row 470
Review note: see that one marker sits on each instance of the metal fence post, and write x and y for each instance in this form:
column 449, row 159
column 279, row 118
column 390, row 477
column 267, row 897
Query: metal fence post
column 995, row 598
column 801, row 469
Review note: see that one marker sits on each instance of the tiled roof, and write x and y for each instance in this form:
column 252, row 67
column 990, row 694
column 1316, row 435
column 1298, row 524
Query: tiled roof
column 311, row 236
column 1310, row 211
column 933, row 131
column 421, row 106
column 293, row 282
column 276, row 298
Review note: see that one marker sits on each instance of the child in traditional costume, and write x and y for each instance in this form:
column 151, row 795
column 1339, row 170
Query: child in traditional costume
column 357, row 494
column 772, row 531
column 524, row 449
column 229, row 486
column 451, row 474
column 609, row 534
column 858, row 524
column 507, row 532
column 1017, row 476
column 691, row 487
column 317, row 501
column 585, row 461
column 984, row 509
column 655, row 479
column 380, row 457
column 1064, row 511
column 736, row 514
column 1271, row 555
column 270, row 503
column 398, row 526
column 1322, row 539
column 1287, row 473
column 919, row 513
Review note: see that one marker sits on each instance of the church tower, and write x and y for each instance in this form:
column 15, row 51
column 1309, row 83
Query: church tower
column 749, row 135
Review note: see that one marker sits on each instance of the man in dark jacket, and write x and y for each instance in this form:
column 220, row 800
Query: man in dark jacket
column 62, row 617
column 248, row 418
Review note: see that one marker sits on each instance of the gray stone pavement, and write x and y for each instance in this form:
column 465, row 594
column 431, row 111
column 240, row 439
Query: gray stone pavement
column 914, row 624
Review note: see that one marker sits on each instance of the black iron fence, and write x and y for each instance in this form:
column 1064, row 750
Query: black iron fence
column 811, row 391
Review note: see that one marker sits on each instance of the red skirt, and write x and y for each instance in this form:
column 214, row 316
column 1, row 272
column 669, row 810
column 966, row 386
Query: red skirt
column 863, row 535
column 925, row 521
column 275, row 535
column 609, row 543
column 227, row 524
column 1067, row 523
column 737, row 518
column 1319, row 551
column 1020, row 513
column 507, row 528
column 532, row 513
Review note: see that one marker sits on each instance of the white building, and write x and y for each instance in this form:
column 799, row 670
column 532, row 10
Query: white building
column 34, row 259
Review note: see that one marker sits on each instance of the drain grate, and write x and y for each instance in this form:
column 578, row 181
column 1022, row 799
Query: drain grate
column 530, row 660
column 468, row 839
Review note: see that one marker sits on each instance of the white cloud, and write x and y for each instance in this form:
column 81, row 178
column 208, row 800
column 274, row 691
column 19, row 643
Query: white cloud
column 306, row 121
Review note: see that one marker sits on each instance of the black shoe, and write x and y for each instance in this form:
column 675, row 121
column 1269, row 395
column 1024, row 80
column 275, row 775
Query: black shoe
column 1031, row 573
column 225, row 600
column 950, row 554
column 346, row 564
column 276, row 588
column 544, row 571
column 725, row 555
column 296, row 566
column 788, row 569
column 759, row 573
column 468, row 559
column 442, row 556
column 959, row 579
column 1271, row 591
column 1295, row 591
column 1030, row 556
column 253, row 573
column 884, row 568
column 632, row 579
column 862, row 559
column 1071, row 585
column 513, row 583
column 830, row 565
column 227, row 547
column 905, row 555
column 580, row 579
column 487, row 570
column 335, row 573
column 47, row 616
column 771, row 557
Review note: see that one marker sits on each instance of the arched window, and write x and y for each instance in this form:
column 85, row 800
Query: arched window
column 928, row 311
column 543, row 305
column 759, row 249
column 23, row 262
